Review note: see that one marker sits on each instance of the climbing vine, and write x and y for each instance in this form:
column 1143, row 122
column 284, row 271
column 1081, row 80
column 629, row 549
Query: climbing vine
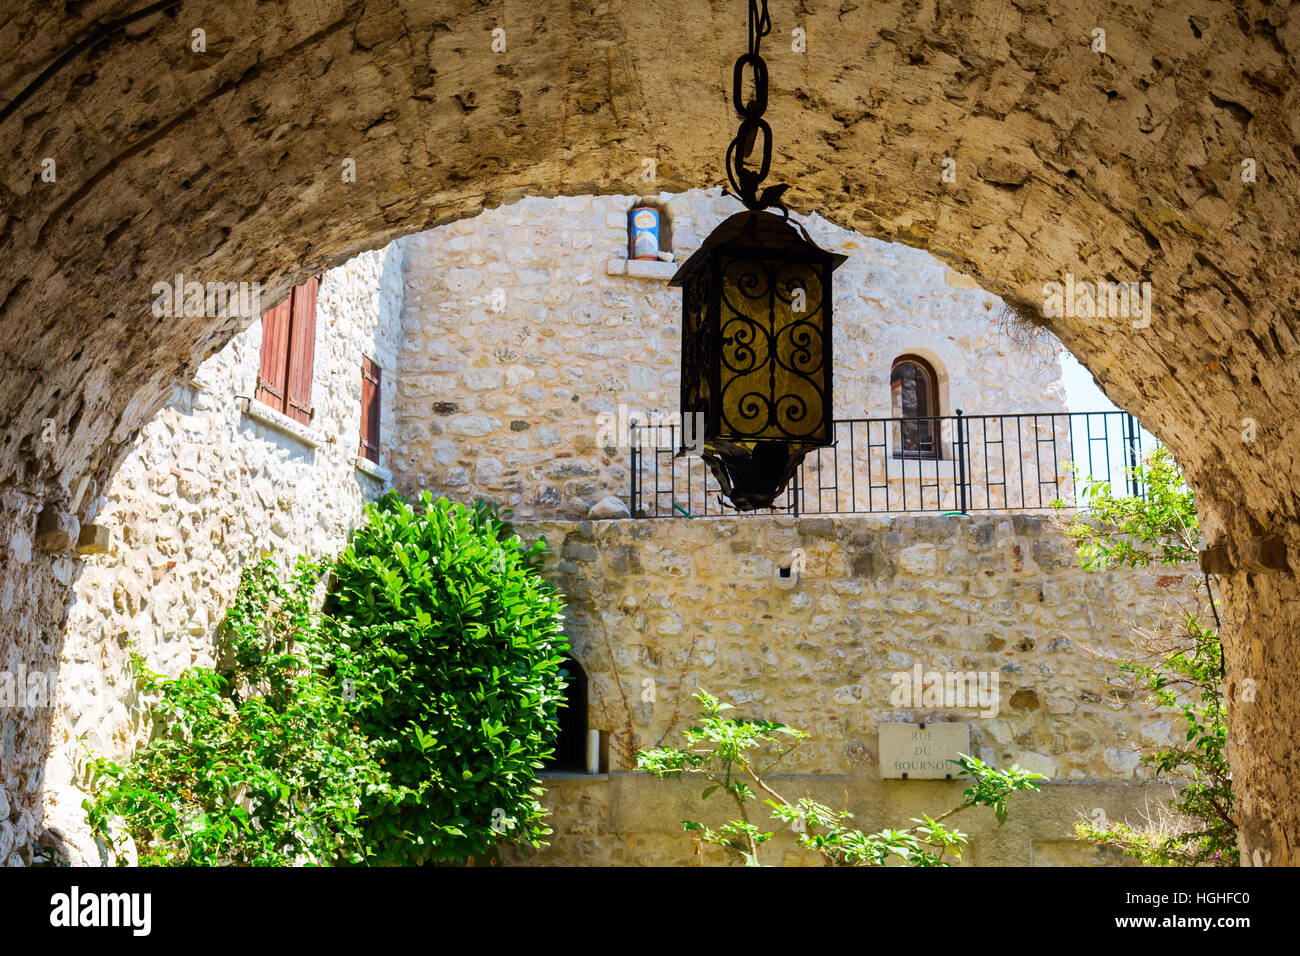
column 1160, row 528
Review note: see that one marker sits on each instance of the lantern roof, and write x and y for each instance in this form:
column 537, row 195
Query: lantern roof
column 765, row 233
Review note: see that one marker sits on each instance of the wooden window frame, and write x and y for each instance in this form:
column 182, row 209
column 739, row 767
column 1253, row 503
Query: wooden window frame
column 935, row 453
column 372, row 379
column 286, row 363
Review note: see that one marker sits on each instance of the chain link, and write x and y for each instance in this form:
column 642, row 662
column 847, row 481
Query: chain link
column 744, row 181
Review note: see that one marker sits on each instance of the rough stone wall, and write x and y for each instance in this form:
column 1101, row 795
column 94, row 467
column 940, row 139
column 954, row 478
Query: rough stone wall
column 518, row 339
column 1126, row 163
column 678, row 605
column 630, row 819
column 205, row 489
column 33, row 615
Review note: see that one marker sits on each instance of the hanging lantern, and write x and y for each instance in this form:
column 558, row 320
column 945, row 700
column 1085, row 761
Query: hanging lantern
column 756, row 323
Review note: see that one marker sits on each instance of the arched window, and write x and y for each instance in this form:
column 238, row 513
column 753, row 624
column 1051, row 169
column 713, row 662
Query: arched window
column 571, row 745
column 649, row 229
column 914, row 397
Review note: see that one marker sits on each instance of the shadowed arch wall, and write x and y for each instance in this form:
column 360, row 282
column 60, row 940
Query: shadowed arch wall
column 227, row 166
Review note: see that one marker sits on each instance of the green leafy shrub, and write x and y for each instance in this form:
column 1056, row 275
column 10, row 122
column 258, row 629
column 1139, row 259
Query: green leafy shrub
column 735, row 757
column 404, row 722
column 1157, row 528
column 457, row 649
column 257, row 763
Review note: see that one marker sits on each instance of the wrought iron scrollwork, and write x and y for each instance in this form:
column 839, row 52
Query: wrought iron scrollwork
column 761, row 339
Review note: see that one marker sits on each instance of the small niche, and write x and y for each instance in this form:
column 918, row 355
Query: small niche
column 649, row 230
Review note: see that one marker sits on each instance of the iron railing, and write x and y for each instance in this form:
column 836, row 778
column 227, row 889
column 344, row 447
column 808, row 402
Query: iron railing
column 1016, row 462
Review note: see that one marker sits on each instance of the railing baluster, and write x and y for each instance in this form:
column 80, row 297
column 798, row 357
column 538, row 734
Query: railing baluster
column 1131, row 441
column 1139, row 490
column 1056, row 467
column 961, row 462
column 984, row 423
column 1038, row 460
column 657, row 491
column 1105, row 443
column 903, row 458
column 853, row 472
column 632, row 470
column 963, row 473
column 1074, row 482
column 955, row 444
column 835, row 458
column 1020, row 461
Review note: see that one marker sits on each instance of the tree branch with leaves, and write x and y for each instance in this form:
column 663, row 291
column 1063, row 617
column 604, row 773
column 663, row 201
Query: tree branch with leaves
column 1184, row 671
column 735, row 756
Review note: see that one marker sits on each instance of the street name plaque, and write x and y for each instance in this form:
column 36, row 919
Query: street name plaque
column 922, row 751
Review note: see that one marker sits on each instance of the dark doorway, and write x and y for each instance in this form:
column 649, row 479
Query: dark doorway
column 571, row 745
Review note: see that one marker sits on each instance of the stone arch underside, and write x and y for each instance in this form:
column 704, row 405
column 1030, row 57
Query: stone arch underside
column 226, row 166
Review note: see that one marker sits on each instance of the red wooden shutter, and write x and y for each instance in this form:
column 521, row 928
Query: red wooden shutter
column 272, row 373
column 302, row 346
column 371, row 375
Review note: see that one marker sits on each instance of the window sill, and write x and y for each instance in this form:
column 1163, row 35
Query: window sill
column 283, row 423
column 374, row 470
column 642, row 268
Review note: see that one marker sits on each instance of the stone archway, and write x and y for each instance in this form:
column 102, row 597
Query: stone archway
column 227, row 165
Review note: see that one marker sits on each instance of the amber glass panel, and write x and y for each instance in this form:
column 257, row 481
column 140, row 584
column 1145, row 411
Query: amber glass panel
column 773, row 376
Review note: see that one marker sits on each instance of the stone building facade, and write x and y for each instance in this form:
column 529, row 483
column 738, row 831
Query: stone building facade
column 528, row 337
column 508, row 344
column 216, row 480
column 659, row 609
column 1051, row 179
